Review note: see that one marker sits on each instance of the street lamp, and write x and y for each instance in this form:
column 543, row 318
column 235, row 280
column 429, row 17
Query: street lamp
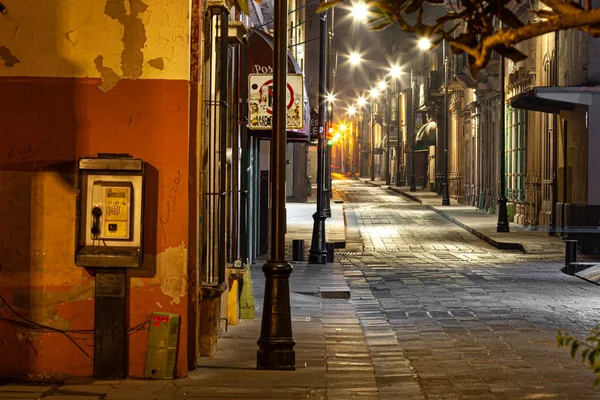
column 330, row 98
column 386, row 116
column 342, row 135
column 318, row 251
column 354, row 58
column 361, row 102
column 374, row 94
column 445, row 191
column 360, row 11
column 395, row 72
column 351, row 111
column 413, row 186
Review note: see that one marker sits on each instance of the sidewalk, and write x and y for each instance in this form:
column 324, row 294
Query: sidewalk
column 481, row 224
column 332, row 357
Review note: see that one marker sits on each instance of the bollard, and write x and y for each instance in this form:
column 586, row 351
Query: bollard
column 329, row 247
column 297, row 250
column 571, row 252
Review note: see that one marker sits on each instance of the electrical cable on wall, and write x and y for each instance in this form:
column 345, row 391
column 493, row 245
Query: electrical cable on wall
column 85, row 334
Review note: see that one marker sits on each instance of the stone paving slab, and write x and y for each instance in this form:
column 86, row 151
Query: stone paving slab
column 483, row 225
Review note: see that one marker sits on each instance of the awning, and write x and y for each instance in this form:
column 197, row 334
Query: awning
column 426, row 134
column 553, row 99
column 260, row 61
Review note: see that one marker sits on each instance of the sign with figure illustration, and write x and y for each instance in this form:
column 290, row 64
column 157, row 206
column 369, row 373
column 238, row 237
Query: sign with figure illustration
column 260, row 101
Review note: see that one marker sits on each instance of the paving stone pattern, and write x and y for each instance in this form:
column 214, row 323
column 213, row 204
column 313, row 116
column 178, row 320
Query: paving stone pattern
column 446, row 315
column 434, row 313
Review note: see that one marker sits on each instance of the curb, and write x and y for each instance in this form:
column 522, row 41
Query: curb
column 407, row 195
column 485, row 238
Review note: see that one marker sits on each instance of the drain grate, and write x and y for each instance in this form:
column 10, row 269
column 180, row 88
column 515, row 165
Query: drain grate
column 349, row 253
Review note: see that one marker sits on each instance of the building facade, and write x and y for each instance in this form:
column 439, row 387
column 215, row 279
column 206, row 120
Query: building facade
column 163, row 81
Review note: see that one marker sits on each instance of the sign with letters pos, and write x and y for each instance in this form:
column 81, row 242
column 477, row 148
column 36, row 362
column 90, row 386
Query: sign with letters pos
column 260, row 101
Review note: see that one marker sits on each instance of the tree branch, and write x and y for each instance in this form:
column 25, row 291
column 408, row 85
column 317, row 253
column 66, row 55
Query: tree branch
column 509, row 37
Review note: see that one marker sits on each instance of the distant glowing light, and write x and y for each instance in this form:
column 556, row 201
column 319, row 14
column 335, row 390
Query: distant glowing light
column 360, row 11
column 424, row 43
column 355, row 58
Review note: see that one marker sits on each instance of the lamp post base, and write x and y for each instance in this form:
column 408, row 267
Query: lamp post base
column 445, row 194
column 318, row 252
column 276, row 344
column 388, row 179
column 398, row 175
column 502, row 216
column 413, row 186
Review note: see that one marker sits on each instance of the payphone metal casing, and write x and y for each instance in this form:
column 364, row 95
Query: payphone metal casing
column 109, row 212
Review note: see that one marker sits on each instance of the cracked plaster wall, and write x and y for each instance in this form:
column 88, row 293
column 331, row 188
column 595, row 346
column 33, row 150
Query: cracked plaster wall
column 135, row 39
column 45, row 126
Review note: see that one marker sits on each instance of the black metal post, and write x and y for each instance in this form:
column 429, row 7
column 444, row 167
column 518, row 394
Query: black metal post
column 413, row 185
column 502, row 211
column 276, row 344
column 318, row 252
column 388, row 175
column 445, row 191
column 328, row 191
column 398, row 126
column 372, row 143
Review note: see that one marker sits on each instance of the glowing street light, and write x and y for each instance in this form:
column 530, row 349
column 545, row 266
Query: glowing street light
column 361, row 101
column 396, row 71
column 351, row 110
column 355, row 58
column 374, row 93
column 360, row 11
column 424, row 43
column 381, row 85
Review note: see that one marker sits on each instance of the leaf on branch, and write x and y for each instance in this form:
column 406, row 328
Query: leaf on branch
column 413, row 6
column 509, row 18
column 510, row 53
column 326, row 5
column 383, row 23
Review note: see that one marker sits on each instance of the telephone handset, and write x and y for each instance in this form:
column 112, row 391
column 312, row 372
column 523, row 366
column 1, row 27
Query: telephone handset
column 111, row 210
column 96, row 213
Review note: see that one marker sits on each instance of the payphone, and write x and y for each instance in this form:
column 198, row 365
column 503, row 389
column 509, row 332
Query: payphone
column 109, row 238
column 109, row 220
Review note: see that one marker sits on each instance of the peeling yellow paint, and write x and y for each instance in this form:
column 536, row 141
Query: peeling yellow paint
column 171, row 273
column 63, row 38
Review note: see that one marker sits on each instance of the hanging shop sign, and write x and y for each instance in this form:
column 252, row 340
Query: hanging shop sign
column 260, row 101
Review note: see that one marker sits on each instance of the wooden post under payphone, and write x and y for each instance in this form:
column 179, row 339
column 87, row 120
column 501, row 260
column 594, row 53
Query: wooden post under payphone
column 109, row 240
column 109, row 323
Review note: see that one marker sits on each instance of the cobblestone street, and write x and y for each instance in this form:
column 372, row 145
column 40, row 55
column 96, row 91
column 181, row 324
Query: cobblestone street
column 446, row 315
column 434, row 313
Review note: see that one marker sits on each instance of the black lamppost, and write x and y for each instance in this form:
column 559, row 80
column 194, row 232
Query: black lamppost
column 445, row 192
column 318, row 251
column 276, row 343
column 361, row 102
column 388, row 175
column 413, row 186
column 372, row 140
column 502, row 211
column 395, row 72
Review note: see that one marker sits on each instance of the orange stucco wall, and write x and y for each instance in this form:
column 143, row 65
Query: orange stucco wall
column 46, row 124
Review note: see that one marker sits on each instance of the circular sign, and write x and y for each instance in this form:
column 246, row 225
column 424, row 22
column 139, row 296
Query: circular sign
column 268, row 89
